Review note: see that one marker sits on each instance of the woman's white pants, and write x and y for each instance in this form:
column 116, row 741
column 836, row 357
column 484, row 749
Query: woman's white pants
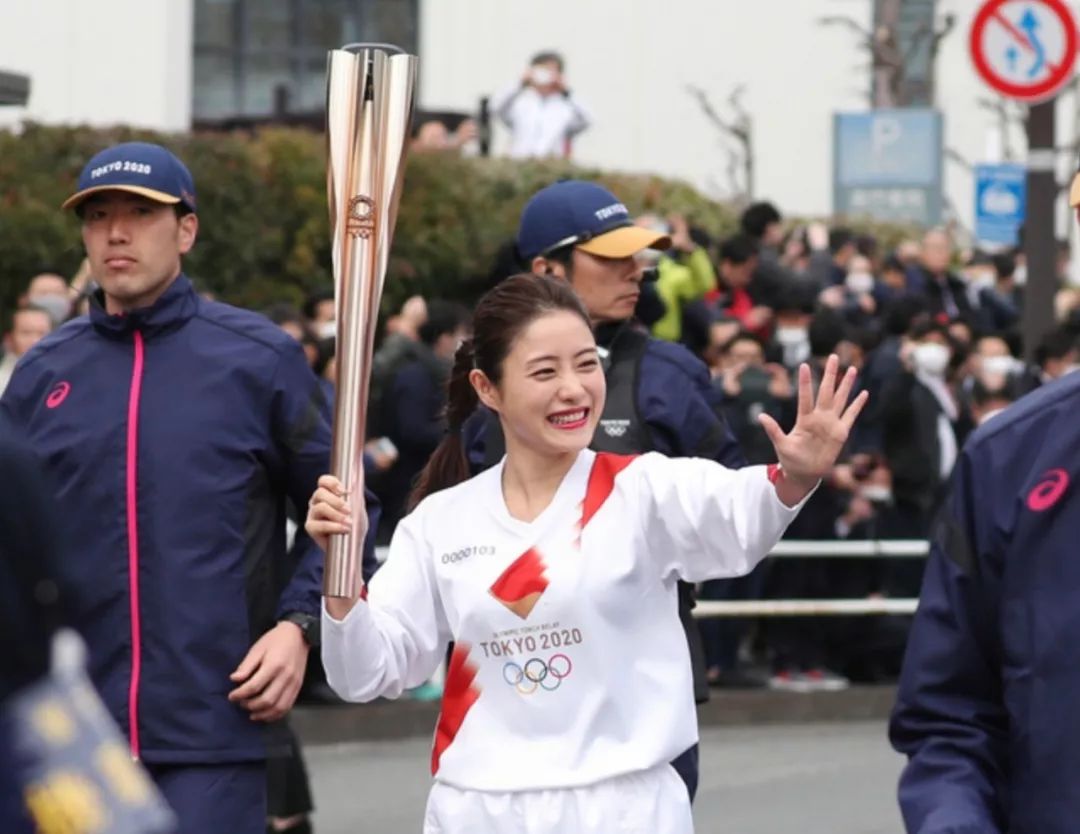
column 653, row 801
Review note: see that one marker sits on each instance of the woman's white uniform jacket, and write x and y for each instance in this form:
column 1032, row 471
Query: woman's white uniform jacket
column 569, row 664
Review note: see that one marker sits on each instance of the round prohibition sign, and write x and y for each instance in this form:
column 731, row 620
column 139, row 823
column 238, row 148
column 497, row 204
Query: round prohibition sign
column 1025, row 50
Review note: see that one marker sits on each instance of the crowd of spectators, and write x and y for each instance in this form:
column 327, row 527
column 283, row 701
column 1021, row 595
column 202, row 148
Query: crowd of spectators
column 932, row 329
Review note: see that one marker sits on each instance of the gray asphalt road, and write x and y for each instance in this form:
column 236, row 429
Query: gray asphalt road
column 806, row 778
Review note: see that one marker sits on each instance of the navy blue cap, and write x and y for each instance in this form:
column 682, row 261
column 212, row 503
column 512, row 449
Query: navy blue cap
column 140, row 168
column 584, row 215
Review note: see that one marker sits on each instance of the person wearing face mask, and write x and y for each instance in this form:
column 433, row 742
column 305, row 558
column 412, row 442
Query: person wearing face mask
column 49, row 291
column 855, row 297
column 993, row 360
column 29, row 325
column 794, row 314
column 542, row 114
column 860, row 281
column 919, row 413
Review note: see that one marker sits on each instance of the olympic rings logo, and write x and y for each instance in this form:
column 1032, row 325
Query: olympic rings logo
column 536, row 674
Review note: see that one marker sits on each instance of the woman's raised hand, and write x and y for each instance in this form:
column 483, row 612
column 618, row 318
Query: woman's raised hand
column 807, row 453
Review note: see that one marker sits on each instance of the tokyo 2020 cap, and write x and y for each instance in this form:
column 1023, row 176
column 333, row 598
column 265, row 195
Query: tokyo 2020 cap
column 584, row 215
column 139, row 168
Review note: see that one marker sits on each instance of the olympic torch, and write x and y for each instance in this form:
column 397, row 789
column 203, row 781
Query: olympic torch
column 369, row 105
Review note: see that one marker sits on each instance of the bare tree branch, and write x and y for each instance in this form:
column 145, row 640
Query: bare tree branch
column 948, row 22
column 847, row 22
column 732, row 171
column 707, row 108
column 890, row 58
column 953, row 155
column 744, row 125
column 740, row 128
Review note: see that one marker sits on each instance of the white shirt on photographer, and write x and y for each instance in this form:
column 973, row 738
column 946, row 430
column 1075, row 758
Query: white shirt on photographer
column 540, row 126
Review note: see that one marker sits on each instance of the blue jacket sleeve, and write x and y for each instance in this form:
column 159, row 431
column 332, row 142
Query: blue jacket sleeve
column 22, row 395
column 301, row 429
column 949, row 719
column 681, row 407
column 416, row 402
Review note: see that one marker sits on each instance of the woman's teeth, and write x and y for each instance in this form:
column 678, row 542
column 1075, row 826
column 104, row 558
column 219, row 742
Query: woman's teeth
column 567, row 419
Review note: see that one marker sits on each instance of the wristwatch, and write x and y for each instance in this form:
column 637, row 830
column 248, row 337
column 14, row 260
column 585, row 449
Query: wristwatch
column 308, row 625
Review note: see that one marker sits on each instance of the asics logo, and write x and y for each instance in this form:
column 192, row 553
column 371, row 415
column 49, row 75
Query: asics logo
column 58, row 394
column 1048, row 491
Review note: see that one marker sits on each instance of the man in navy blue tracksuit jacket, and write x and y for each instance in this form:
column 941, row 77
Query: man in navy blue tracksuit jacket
column 174, row 430
column 987, row 708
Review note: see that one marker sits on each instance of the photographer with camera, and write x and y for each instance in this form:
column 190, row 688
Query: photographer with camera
column 542, row 114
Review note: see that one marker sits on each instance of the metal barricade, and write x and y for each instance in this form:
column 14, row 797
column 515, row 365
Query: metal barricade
column 876, row 606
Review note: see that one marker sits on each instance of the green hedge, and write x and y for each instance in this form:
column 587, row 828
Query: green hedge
column 263, row 214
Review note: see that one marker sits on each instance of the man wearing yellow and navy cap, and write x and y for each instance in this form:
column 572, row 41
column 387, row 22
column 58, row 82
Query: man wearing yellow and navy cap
column 175, row 429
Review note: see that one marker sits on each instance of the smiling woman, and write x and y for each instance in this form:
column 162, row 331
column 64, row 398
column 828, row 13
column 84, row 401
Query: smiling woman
column 531, row 360
column 568, row 692
column 549, row 399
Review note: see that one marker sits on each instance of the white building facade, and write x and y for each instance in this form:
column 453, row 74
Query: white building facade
column 168, row 63
column 100, row 63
